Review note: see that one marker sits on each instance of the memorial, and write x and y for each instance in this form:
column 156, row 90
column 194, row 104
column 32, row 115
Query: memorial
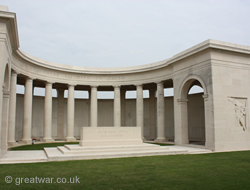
column 216, row 119
column 108, row 136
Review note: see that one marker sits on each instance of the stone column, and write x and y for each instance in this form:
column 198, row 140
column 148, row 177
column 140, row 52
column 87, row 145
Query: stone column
column 123, row 99
column 27, row 112
column 117, row 106
column 60, row 114
column 160, row 113
column 152, row 114
column 93, row 107
column 70, row 114
column 139, row 108
column 12, row 110
column 48, row 113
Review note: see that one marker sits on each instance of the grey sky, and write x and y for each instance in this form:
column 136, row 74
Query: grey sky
column 120, row 33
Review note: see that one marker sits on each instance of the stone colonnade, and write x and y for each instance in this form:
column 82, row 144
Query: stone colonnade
column 119, row 96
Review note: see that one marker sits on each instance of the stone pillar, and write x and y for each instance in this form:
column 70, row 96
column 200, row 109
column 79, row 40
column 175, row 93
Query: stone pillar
column 181, row 121
column 160, row 113
column 152, row 114
column 5, row 121
column 93, row 107
column 48, row 113
column 27, row 112
column 139, row 108
column 70, row 114
column 123, row 99
column 12, row 110
column 60, row 114
column 209, row 122
column 117, row 106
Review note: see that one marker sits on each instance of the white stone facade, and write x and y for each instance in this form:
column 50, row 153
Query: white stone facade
column 219, row 118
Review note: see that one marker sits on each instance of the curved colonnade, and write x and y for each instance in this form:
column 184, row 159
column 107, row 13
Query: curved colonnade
column 184, row 70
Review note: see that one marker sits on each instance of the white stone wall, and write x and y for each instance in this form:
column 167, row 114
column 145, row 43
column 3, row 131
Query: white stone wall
column 231, row 79
column 105, row 115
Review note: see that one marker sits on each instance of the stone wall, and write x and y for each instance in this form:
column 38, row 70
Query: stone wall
column 105, row 116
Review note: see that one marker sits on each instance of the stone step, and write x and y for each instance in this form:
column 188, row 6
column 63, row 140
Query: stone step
column 23, row 156
column 54, row 154
column 142, row 146
column 65, row 150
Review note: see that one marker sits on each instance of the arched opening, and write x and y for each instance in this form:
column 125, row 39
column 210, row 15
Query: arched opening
column 196, row 115
column 193, row 111
column 5, row 109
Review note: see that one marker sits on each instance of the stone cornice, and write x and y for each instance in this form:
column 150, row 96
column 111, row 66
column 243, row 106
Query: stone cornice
column 135, row 69
column 12, row 28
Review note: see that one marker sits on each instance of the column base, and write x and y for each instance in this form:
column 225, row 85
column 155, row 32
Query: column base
column 60, row 138
column 160, row 140
column 143, row 139
column 70, row 139
column 12, row 143
column 47, row 140
column 25, row 141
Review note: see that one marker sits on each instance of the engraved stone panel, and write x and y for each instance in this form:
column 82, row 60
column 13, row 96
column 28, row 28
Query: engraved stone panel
column 240, row 107
column 110, row 136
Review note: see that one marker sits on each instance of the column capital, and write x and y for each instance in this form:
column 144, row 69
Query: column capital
column 182, row 100
column 94, row 86
column 159, row 82
column 117, row 86
column 205, row 97
column 29, row 78
column 14, row 73
column 48, row 83
column 139, row 84
column 71, row 84
column 6, row 93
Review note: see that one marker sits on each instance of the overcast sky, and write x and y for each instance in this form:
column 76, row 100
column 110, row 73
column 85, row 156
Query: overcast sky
column 120, row 33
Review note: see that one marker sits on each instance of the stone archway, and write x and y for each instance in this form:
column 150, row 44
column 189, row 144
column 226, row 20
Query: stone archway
column 5, row 109
column 192, row 112
column 196, row 115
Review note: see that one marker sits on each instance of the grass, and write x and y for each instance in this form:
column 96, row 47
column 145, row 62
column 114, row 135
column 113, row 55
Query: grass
column 229, row 170
column 162, row 144
column 41, row 146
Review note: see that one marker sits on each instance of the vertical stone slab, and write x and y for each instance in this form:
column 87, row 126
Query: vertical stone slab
column 209, row 122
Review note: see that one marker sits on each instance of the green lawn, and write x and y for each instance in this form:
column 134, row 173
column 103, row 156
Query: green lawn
column 41, row 146
column 220, row 171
